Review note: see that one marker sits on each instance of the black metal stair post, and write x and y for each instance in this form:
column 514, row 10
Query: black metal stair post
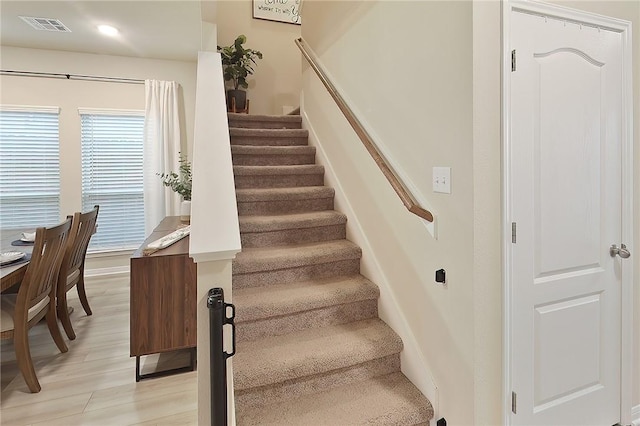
column 217, row 319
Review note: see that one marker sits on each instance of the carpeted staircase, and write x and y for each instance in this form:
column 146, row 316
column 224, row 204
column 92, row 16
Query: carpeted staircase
column 311, row 349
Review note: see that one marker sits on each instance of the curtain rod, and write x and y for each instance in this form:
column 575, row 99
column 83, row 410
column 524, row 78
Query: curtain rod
column 71, row 76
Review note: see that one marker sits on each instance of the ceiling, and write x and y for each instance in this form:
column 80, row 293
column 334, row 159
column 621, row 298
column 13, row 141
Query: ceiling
column 148, row 29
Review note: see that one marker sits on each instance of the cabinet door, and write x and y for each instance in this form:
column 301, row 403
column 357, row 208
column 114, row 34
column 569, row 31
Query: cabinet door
column 163, row 304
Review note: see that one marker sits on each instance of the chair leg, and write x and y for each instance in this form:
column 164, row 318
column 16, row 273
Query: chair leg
column 23, row 356
column 52, row 322
column 83, row 296
column 63, row 314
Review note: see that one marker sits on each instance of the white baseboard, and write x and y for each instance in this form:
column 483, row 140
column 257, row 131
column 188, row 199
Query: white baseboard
column 105, row 273
column 635, row 415
column 413, row 363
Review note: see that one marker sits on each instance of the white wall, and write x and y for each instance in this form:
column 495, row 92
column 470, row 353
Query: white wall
column 407, row 68
column 71, row 94
column 276, row 81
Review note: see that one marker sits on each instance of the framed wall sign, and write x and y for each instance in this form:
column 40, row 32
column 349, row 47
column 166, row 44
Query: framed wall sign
column 278, row 10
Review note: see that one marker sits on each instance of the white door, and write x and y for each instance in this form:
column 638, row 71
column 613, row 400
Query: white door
column 565, row 200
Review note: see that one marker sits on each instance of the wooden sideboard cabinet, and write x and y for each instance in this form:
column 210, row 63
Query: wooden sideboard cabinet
column 163, row 300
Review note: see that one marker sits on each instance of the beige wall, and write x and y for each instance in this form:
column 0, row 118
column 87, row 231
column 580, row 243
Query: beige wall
column 487, row 220
column 629, row 11
column 276, row 81
column 71, row 94
column 407, row 68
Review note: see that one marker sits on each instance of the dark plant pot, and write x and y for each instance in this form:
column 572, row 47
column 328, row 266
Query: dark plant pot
column 240, row 97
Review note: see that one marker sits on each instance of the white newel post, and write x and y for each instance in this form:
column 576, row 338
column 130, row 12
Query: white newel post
column 215, row 232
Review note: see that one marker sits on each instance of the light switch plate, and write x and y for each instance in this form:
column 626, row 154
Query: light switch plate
column 442, row 180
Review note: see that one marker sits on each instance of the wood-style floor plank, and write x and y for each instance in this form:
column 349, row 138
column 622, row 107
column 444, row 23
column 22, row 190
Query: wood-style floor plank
column 49, row 409
column 129, row 413
column 145, row 390
column 182, row 419
column 94, row 383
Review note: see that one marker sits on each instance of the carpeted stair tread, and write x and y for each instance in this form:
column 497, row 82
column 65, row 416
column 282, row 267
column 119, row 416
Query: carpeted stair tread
column 279, row 230
column 306, row 169
column 276, row 300
column 275, row 258
column 265, row 155
column 279, row 308
column 265, row 117
column 312, row 351
column 384, row 400
column 268, row 133
column 284, row 194
column 278, row 176
column 262, row 121
column 268, row 137
column 291, row 221
column 282, row 391
column 273, row 150
column 284, row 200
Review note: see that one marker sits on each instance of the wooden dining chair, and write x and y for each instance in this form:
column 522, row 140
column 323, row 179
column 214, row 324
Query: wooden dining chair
column 72, row 269
column 36, row 299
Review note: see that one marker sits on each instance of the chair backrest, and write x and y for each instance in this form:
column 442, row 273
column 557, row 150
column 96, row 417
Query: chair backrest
column 42, row 273
column 82, row 228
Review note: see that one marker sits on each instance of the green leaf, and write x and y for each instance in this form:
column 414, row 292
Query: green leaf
column 238, row 62
column 179, row 183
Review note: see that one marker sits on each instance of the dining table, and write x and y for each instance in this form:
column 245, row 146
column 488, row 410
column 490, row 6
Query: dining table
column 13, row 273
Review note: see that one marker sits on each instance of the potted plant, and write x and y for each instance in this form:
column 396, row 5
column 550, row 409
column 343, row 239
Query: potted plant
column 180, row 183
column 238, row 63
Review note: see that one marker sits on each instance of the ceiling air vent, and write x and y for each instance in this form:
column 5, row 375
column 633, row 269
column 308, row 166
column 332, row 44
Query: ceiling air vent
column 46, row 24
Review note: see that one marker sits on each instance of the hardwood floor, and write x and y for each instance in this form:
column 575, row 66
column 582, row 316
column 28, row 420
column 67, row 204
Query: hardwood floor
column 94, row 383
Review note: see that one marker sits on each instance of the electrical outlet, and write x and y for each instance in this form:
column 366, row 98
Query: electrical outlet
column 442, row 180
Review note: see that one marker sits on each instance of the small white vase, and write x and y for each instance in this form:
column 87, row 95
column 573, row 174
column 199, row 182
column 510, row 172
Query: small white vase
column 185, row 211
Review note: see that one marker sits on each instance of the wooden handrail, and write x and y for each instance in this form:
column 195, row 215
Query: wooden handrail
column 407, row 198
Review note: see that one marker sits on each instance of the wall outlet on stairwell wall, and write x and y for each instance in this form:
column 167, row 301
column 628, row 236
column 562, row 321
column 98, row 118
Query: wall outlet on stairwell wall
column 442, row 180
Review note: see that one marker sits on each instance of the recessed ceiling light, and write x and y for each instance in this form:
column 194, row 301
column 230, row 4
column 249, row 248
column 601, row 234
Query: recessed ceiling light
column 108, row 30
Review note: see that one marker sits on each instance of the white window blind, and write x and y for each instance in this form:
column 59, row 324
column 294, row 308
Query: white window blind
column 29, row 167
column 112, row 152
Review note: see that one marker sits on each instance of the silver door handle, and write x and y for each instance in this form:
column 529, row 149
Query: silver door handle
column 623, row 252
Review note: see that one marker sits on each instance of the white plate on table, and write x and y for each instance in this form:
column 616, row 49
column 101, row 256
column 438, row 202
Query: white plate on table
column 10, row 256
column 28, row 237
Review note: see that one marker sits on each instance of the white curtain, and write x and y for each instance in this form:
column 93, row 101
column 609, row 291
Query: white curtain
column 161, row 150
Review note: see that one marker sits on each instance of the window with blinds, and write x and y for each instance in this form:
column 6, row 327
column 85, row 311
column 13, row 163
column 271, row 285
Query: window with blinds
column 112, row 176
column 29, row 167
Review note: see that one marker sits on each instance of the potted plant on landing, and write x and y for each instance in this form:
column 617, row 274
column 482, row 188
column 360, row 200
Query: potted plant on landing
column 180, row 183
column 238, row 63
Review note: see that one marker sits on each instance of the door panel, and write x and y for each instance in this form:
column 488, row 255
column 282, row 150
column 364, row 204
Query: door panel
column 572, row 324
column 566, row 106
column 568, row 198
